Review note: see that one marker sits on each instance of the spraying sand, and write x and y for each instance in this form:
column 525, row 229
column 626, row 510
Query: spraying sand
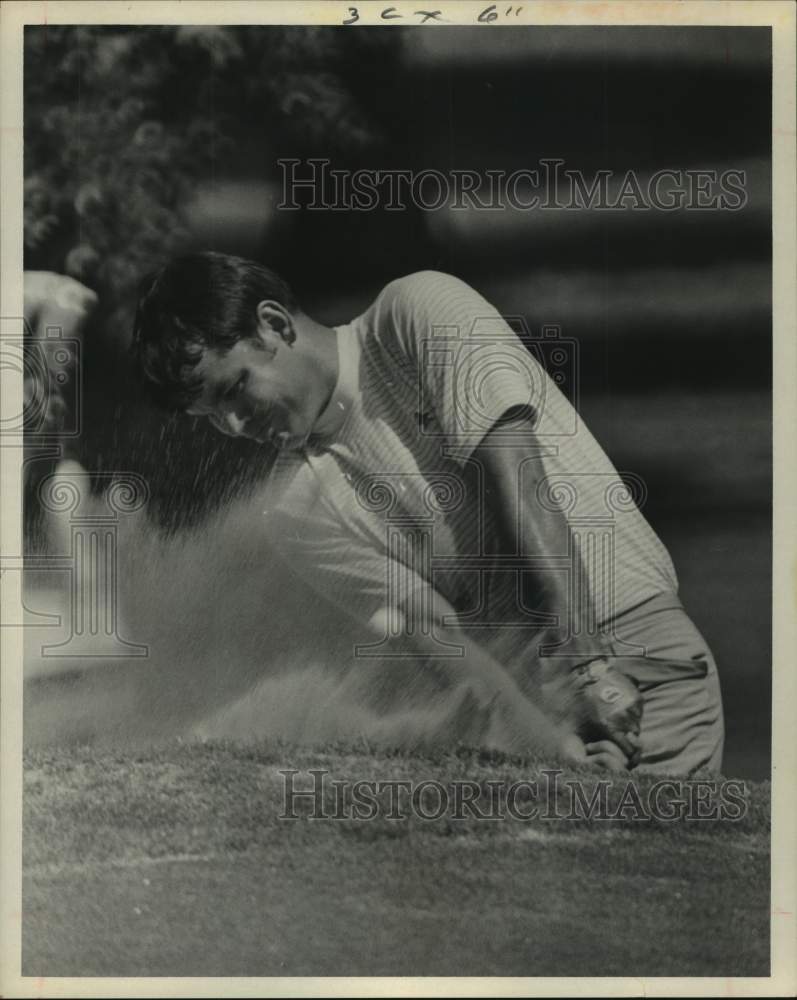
column 238, row 647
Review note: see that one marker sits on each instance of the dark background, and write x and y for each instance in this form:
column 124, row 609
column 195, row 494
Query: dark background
column 143, row 142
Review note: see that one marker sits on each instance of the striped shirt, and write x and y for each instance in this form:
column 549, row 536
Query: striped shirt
column 391, row 500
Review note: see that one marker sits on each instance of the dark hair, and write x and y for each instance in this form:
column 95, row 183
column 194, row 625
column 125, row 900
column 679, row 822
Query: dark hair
column 196, row 301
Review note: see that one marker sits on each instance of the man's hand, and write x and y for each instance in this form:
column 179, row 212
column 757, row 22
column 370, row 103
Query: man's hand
column 485, row 704
column 602, row 753
column 474, row 717
column 611, row 705
column 601, row 704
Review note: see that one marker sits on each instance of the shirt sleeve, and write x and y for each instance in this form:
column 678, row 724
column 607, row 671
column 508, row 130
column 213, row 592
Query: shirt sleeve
column 473, row 371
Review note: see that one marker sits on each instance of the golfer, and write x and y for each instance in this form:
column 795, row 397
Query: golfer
column 432, row 479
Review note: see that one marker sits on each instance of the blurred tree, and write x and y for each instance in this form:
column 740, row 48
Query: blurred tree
column 123, row 123
column 122, row 126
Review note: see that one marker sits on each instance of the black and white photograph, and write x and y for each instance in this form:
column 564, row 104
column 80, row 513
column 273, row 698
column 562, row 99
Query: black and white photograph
column 394, row 549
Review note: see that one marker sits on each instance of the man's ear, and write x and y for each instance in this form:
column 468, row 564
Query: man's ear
column 272, row 317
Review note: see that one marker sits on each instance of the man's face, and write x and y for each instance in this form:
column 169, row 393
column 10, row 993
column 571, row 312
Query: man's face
column 262, row 388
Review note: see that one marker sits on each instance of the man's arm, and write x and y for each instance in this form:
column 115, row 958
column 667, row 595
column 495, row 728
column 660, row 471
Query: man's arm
column 523, row 525
column 482, row 688
column 475, row 675
column 402, row 624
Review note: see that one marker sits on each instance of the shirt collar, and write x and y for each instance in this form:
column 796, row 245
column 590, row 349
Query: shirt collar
column 337, row 410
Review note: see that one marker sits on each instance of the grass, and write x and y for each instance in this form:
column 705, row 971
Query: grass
column 174, row 861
